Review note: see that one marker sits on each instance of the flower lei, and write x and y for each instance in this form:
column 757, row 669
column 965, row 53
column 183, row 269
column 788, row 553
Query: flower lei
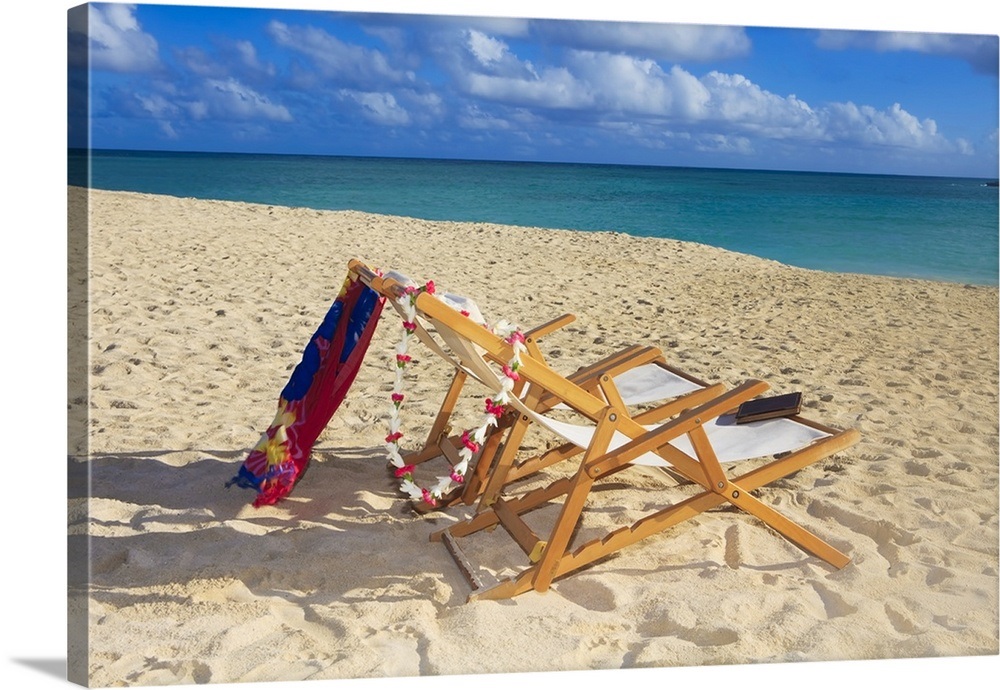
column 472, row 439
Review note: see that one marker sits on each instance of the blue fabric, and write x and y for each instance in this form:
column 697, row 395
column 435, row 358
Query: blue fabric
column 302, row 378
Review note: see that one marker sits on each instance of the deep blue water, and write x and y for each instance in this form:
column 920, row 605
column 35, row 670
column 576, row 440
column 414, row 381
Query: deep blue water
column 921, row 227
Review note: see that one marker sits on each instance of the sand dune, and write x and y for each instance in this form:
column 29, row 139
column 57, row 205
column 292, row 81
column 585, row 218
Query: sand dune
column 199, row 310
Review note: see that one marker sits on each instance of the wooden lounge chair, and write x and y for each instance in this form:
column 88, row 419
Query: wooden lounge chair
column 695, row 443
column 641, row 375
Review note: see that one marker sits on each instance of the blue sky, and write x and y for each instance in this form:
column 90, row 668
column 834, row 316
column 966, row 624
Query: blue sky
column 195, row 78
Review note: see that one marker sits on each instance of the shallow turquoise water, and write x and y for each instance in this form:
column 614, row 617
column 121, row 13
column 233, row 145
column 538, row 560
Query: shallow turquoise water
column 923, row 227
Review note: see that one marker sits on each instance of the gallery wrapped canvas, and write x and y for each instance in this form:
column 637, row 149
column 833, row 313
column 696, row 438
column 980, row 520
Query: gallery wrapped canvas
column 723, row 211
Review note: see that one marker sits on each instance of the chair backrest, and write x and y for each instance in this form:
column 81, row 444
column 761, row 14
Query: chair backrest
column 476, row 347
column 471, row 357
column 459, row 351
column 393, row 285
column 475, row 344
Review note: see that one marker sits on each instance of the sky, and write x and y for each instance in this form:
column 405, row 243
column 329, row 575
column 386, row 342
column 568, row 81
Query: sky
column 195, row 78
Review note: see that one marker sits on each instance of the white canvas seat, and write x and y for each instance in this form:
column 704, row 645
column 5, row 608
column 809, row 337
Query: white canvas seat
column 650, row 383
column 731, row 442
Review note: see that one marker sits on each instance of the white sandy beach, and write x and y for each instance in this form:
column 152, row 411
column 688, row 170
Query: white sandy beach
column 200, row 309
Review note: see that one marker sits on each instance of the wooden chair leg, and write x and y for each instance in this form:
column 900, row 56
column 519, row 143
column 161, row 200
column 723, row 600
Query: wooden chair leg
column 440, row 425
column 793, row 532
column 561, row 562
column 741, row 498
column 500, row 470
column 573, row 506
column 476, row 479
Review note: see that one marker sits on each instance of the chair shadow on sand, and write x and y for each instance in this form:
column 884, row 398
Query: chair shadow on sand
column 344, row 535
column 154, row 524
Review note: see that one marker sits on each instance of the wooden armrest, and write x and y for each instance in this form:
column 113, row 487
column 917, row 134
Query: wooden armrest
column 550, row 327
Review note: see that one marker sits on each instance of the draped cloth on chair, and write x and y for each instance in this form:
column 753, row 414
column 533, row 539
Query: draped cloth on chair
column 318, row 384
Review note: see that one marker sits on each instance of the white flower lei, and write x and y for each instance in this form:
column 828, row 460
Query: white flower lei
column 472, row 439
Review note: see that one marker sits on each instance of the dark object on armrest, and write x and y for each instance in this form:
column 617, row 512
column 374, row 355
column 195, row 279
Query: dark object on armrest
column 768, row 408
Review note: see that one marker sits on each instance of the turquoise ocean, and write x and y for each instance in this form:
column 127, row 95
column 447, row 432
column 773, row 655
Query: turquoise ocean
column 917, row 227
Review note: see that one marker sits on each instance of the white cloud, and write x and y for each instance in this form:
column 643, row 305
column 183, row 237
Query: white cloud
column 197, row 109
column 481, row 53
column 425, row 106
column 721, row 143
column 722, row 111
column 737, row 100
column 980, row 52
column 552, row 88
column 588, row 81
column 248, row 56
column 623, row 83
column 228, row 99
column 640, row 86
column 486, row 50
column 473, row 117
column 965, row 147
column 168, row 130
column 117, row 41
column 237, row 58
column 157, row 106
column 339, row 61
column 674, row 42
column 197, row 61
column 890, row 127
column 380, row 108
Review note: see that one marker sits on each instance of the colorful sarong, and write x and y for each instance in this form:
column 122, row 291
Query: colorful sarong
column 313, row 393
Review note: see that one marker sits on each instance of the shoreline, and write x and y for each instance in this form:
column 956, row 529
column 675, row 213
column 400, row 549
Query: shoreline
column 198, row 310
column 992, row 280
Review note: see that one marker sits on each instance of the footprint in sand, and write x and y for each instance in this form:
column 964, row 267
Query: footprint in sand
column 591, row 595
column 949, row 623
column 172, row 673
column 698, row 632
column 399, row 649
column 733, row 557
column 936, row 575
column 710, row 637
column 833, row 602
column 901, row 620
column 889, row 539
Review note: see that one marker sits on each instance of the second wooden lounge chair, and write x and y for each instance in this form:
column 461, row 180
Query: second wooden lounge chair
column 640, row 373
column 695, row 443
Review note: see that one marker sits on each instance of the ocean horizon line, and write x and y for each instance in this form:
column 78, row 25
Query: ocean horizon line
column 512, row 161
